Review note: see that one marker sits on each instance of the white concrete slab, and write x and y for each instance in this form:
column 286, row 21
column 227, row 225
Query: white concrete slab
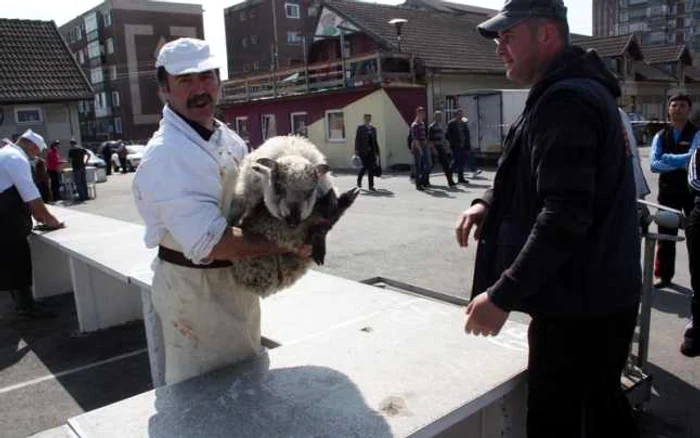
column 408, row 370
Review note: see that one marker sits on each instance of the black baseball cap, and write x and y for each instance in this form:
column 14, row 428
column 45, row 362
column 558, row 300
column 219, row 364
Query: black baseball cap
column 515, row 11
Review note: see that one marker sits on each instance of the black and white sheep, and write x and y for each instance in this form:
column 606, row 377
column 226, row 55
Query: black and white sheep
column 284, row 193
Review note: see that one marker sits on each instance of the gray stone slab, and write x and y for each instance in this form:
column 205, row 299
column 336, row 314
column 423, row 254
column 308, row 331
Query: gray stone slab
column 113, row 246
column 58, row 432
column 407, row 370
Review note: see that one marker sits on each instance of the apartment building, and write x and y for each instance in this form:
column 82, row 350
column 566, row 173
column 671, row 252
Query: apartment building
column 267, row 35
column 116, row 43
column 654, row 21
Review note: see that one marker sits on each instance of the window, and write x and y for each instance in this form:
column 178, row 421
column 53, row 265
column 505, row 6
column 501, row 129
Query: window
column 108, row 18
column 113, row 72
column 637, row 2
column 80, row 57
column 241, row 127
column 268, row 123
column 312, row 11
column 293, row 37
column 242, row 16
column 28, row 116
column 624, row 16
column 335, row 126
column 78, row 33
column 93, row 49
column 292, row 10
column 252, row 13
column 110, row 46
column 244, row 42
column 117, row 125
column 256, row 65
column 90, row 22
column 115, row 99
column 96, row 75
column 636, row 14
column 297, row 122
column 253, row 40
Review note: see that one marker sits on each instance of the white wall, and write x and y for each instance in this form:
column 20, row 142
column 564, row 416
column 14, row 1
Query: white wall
column 59, row 122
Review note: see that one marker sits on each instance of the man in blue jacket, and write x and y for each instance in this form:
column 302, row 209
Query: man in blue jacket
column 558, row 232
column 670, row 154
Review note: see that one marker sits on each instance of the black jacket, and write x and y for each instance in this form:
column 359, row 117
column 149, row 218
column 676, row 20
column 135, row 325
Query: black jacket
column 452, row 134
column 675, row 182
column 366, row 141
column 561, row 236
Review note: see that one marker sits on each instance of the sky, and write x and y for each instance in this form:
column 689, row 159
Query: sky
column 580, row 15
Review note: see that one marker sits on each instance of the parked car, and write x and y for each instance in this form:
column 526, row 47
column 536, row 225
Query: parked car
column 133, row 157
column 644, row 130
column 99, row 163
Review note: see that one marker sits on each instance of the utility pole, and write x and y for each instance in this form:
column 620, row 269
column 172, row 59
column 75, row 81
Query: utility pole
column 275, row 52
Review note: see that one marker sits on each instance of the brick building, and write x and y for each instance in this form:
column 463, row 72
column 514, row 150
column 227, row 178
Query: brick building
column 257, row 31
column 116, row 44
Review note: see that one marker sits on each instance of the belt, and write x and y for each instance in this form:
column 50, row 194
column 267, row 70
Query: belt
column 178, row 258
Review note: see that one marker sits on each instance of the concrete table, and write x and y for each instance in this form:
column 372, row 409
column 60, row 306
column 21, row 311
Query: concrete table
column 406, row 369
column 99, row 253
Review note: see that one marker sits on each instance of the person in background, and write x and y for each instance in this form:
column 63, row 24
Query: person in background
column 436, row 140
column 20, row 200
column 54, row 162
column 558, row 233
column 106, row 154
column 122, row 153
column 367, row 148
column 41, row 178
column 458, row 136
column 671, row 150
column 79, row 157
column 422, row 154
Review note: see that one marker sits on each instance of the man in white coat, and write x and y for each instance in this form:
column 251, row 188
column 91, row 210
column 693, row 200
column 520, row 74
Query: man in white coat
column 178, row 189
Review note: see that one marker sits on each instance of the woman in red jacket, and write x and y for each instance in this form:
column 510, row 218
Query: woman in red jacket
column 53, row 164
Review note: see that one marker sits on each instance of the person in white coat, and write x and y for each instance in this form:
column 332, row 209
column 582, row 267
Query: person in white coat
column 178, row 189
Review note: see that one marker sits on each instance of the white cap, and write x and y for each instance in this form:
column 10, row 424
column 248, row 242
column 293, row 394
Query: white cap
column 186, row 55
column 34, row 138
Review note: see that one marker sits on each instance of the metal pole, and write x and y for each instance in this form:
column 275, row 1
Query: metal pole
column 647, row 288
column 306, row 63
column 342, row 54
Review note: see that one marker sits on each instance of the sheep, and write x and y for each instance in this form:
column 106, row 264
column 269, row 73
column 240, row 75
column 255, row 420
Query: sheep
column 284, row 194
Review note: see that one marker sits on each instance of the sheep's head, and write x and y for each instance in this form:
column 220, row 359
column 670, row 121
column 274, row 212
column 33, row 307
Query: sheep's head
column 290, row 186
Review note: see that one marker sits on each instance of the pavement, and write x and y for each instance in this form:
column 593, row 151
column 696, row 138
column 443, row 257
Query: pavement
column 397, row 232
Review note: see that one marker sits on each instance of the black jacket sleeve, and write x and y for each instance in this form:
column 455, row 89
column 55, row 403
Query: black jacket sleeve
column 357, row 140
column 375, row 143
column 564, row 136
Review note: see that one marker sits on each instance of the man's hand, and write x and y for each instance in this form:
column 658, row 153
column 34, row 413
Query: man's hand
column 472, row 217
column 484, row 317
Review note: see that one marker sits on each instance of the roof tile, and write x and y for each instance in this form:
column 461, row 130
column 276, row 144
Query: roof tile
column 37, row 65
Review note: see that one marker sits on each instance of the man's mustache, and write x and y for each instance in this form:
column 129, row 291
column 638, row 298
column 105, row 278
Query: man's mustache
column 199, row 99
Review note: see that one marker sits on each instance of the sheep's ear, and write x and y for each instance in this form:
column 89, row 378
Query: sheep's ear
column 322, row 169
column 265, row 166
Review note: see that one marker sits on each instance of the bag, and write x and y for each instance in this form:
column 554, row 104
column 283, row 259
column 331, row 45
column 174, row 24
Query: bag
column 356, row 162
column 378, row 168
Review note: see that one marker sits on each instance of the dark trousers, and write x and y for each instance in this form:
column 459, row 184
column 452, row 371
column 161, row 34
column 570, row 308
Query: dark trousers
column 16, row 269
column 108, row 162
column 459, row 159
column 664, row 267
column 574, row 377
column 80, row 180
column 123, row 164
column 368, row 163
column 444, row 162
column 55, row 184
column 692, row 239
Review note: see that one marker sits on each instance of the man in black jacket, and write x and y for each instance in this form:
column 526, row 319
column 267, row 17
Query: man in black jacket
column 458, row 136
column 367, row 148
column 558, row 232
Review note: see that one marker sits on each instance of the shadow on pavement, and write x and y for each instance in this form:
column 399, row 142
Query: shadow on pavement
column 673, row 410
column 49, row 371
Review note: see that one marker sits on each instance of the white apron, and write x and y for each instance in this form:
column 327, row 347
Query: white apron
column 205, row 323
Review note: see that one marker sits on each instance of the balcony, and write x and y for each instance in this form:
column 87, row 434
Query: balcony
column 385, row 69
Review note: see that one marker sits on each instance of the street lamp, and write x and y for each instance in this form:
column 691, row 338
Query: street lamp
column 398, row 22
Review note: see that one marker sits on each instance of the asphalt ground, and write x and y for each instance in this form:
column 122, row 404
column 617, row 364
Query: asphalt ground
column 48, row 372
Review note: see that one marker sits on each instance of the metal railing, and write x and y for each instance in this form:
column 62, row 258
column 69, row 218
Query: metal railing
column 372, row 68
